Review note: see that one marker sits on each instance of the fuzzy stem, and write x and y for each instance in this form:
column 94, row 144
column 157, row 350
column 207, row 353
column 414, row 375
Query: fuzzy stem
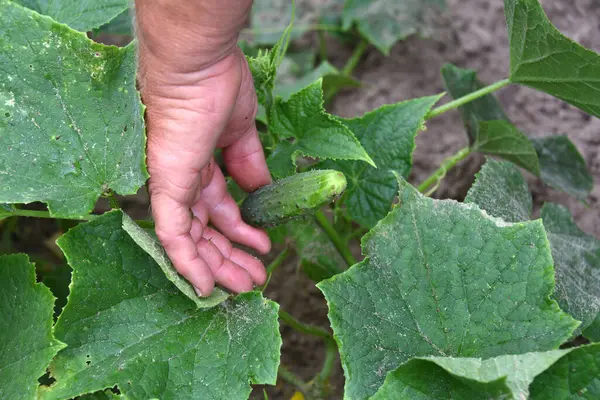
column 292, row 378
column 281, row 257
column 302, row 327
column 113, row 202
column 354, row 59
column 467, row 99
column 330, row 357
column 340, row 244
column 440, row 173
column 322, row 46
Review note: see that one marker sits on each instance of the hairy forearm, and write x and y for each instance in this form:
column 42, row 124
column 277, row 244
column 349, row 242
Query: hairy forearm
column 188, row 35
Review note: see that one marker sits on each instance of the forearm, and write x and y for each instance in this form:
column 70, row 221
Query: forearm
column 188, row 35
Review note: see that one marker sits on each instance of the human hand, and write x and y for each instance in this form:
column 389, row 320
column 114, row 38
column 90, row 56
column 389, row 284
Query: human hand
column 194, row 105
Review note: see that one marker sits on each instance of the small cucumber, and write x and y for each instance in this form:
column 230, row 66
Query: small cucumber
column 292, row 197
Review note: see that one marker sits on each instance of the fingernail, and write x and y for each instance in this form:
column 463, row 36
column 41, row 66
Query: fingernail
column 198, row 292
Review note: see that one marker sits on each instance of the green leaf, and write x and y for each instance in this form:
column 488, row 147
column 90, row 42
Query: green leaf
column 442, row 278
column 503, row 377
column 269, row 18
column 102, row 395
column 388, row 134
column 461, row 82
column 122, row 24
column 543, row 58
column 501, row 191
column 71, row 124
column 57, row 278
column 592, row 332
column 126, row 324
column 315, row 133
column 151, row 245
column 384, row 22
column 83, row 15
column 577, row 263
column 562, row 166
column 502, row 139
column 26, row 341
column 574, row 376
column 331, row 78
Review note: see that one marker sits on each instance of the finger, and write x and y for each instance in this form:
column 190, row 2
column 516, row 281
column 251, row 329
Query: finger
column 245, row 162
column 251, row 264
column 225, row 271
column 173, row 225
column 224, row 214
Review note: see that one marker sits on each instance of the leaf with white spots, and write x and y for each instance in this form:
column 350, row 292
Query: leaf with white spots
column 127, row 324
column 443, row 278
column 71, row 120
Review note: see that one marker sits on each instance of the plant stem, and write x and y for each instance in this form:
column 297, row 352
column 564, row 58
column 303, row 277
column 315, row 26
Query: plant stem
column 354, row 59
column 46, row 214
column 302, row 327
column 322, row 46
column 466, row 99
column 292, row 378
column 440, row 173
column 330, row 358
column 340, row 244
column 281, row 257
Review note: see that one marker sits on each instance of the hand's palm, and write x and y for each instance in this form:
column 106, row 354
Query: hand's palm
column 188, row 117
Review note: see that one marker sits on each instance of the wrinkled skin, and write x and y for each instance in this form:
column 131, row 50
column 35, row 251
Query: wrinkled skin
column 199, row 95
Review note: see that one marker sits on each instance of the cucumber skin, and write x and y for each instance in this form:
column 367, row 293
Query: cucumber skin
column 293, row 197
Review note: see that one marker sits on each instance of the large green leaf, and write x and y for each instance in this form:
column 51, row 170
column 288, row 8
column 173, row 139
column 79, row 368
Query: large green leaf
column 148, row 241
column 562, row 166
column 384, row 22
column 575, row 376
column 71, row 125
column 592, row 332
column 388, row 135
column 501, row 191
column 577, row 263
column 83, row 15
column 315, row 133
column 542, row 58
column 461, row 82
column 503, row 377
column 269, row 18
column 26, row 341
column 502, row 139
column 443, row 278
column 127, row 324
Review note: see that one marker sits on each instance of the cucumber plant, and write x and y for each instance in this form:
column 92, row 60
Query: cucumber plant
column 462, row 300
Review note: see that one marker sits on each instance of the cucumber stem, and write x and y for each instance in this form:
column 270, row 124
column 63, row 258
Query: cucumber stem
column 440, row 173
column 340, row 244
column 292, row 378
column 302, row 327
column 281, row 257
column 461, row 101
column 354, row 59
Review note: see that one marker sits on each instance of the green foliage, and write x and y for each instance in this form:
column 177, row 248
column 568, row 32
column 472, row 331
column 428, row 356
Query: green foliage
column 314, row 132
column 501, row 191
column 388, row 135
column 543, row 58
column 27, row 344
column 559, row 163
column 531, row 375
column 83, row 15
column 126, row 323
column 384, row 22
column 562, row 166
column 442, row 278
column 70, row 117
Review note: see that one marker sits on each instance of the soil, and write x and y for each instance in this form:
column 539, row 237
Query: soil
column 470, row 34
